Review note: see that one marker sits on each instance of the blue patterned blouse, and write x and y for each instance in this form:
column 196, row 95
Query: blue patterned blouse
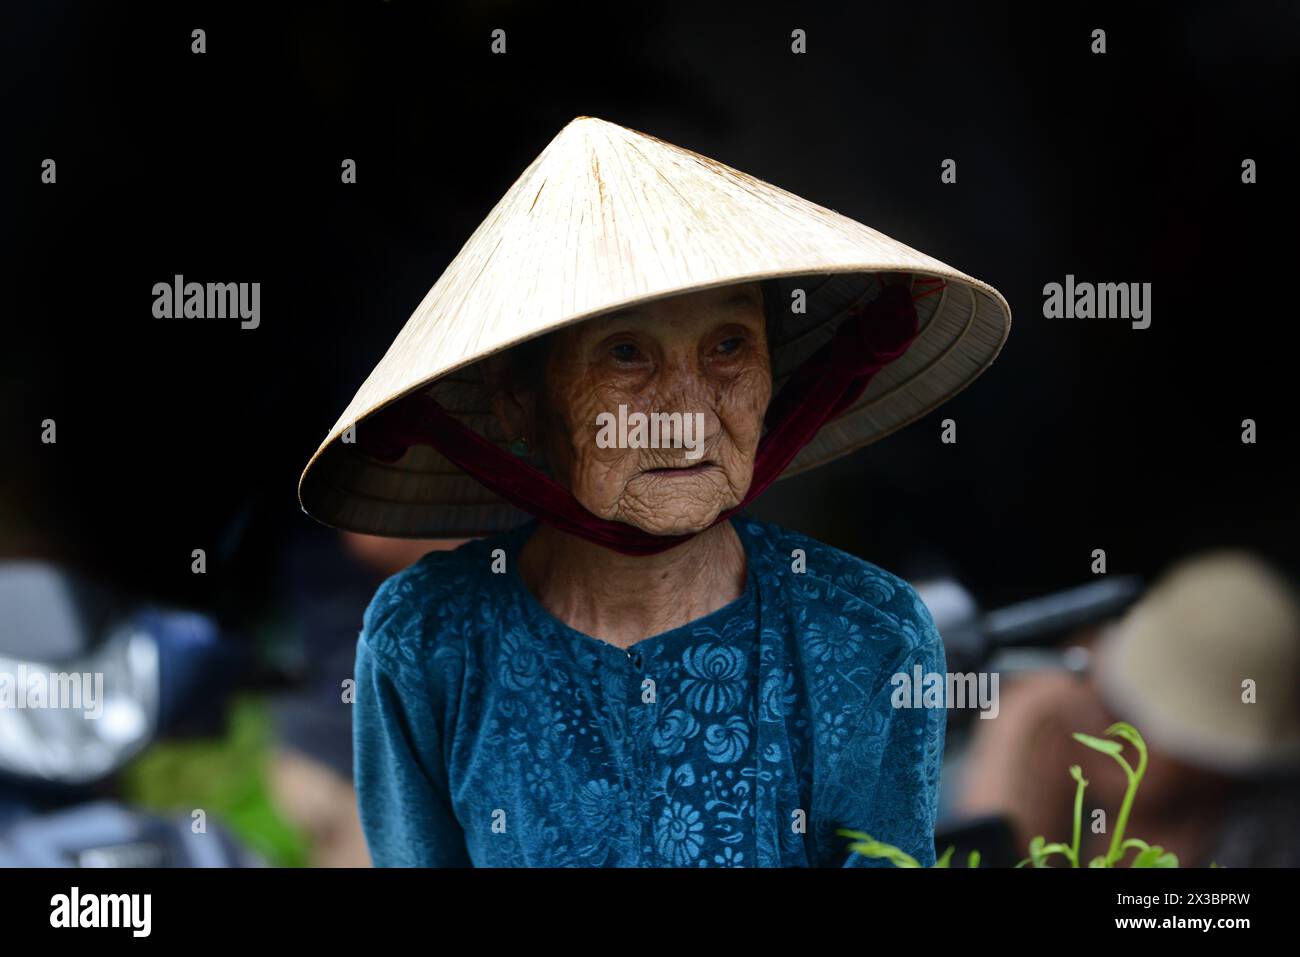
column 488, row 733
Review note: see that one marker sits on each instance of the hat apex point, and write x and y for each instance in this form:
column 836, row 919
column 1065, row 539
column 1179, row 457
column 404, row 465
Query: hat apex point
column 585, row 120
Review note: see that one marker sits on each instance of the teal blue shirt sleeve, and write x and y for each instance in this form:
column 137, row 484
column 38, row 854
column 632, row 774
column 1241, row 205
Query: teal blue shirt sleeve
column 399, row 764
column 886, row 779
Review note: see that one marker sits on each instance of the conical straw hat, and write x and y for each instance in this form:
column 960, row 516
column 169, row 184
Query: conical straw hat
column 606, row 217
column 1175, row 665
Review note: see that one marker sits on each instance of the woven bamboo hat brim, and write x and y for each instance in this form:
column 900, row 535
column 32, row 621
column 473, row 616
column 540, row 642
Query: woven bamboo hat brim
column 604, row 218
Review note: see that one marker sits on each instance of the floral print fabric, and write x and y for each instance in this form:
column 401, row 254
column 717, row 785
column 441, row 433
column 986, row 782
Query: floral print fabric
column 488, row 733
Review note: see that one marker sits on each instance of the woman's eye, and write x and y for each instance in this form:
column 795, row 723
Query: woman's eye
column 625, row 352
column 728, row 346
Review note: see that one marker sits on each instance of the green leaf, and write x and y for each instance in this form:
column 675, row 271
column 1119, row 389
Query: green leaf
column 974, row 859
column 1098, row 861
column 1040, row 851
column 1122, row 729
column 870, row 847
column 1147, row 858
column 1047, row 850
column 1113, row 748
column 947, row 857
column 1036, row 849
column 1154, row 856
column 888, row 851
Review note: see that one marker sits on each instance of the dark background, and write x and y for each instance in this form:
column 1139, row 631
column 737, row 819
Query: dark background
column 1084, row 434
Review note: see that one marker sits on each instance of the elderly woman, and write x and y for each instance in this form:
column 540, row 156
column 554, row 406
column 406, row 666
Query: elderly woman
column 639, row 675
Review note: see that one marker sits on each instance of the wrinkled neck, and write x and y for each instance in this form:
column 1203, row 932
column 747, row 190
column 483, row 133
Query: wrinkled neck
column 623, row 599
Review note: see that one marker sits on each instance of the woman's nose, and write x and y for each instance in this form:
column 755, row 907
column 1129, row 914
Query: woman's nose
column 684, row 388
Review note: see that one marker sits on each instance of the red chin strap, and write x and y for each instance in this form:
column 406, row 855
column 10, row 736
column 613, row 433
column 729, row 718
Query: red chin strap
column 868, row 339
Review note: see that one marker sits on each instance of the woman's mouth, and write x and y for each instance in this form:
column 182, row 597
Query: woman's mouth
column 681, row 470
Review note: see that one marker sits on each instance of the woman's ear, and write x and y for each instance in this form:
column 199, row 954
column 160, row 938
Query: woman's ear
column 512, row 405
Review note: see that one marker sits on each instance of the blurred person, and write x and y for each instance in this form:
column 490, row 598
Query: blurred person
column 640, row 676
column 388, row 556
column 1221, row 782
column 329, row 579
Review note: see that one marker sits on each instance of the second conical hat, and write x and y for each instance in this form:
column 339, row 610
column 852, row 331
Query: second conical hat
column 607, row 217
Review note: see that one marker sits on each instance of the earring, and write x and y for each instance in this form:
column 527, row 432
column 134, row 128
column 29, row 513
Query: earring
column 519, row 446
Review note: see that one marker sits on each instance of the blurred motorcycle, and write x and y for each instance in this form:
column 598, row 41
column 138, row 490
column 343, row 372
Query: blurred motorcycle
column 87, row 681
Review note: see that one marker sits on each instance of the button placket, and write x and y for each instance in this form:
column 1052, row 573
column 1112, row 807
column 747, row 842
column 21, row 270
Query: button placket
column 637, row 722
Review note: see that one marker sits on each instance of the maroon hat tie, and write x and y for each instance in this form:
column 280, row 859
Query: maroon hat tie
column 826, row 385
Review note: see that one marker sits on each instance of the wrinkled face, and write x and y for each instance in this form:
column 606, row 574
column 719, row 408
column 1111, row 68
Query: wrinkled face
column 702, row 356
